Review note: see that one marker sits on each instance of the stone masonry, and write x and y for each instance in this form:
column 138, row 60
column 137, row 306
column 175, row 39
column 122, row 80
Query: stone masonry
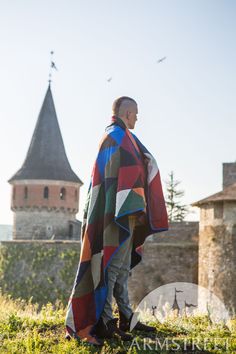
column 170, row 256
column 49, row 267
column 37, row 217
column 217, row 240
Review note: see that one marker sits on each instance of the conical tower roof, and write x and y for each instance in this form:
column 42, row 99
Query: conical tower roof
column 46, row 157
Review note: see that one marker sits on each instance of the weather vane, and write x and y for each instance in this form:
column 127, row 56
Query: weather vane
column 52, row 66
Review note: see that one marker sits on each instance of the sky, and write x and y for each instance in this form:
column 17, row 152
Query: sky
column 187, row 106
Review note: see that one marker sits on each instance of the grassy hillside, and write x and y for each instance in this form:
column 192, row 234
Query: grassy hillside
column 26, row 329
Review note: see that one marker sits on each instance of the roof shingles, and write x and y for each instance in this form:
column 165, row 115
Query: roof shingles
column 227, row 194
column 46, row 157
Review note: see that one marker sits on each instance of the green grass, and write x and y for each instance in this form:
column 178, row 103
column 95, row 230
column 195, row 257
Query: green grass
column 24, row 328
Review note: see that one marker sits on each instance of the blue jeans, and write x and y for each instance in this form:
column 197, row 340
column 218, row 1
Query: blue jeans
column 118, row 274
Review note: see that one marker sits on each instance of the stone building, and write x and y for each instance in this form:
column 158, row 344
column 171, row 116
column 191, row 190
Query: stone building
column 45, row 190
column 217, row 240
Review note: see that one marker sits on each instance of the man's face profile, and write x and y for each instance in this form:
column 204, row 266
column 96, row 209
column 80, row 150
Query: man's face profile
column 131, row 116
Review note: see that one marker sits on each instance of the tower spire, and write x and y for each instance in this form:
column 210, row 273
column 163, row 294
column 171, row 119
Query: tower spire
column 46, row 157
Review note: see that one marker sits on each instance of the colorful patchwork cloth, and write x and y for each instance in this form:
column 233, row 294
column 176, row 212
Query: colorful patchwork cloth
column 125, row 181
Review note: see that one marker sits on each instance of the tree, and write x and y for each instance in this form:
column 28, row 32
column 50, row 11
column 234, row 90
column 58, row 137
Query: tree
column 176, row 211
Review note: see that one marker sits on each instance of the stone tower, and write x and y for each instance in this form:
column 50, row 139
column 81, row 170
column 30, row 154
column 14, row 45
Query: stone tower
column 45, row 190
column 217, row 240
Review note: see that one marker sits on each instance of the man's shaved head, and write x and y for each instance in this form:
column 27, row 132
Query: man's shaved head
column 121, row 105
column 126, row 108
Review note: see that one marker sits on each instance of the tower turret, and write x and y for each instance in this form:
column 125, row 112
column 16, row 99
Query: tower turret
column 45, row 190
column 217, row 240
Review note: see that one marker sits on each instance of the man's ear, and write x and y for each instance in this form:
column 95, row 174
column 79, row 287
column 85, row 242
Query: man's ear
column 127, row 115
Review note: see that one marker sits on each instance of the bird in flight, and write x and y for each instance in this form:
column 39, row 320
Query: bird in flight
column 109, row 80
column 161, row 60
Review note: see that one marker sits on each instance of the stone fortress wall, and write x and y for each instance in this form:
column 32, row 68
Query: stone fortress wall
column 45, row 270
column 170, row 256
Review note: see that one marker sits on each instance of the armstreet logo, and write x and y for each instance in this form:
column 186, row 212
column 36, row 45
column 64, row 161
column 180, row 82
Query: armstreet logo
column 178, row 300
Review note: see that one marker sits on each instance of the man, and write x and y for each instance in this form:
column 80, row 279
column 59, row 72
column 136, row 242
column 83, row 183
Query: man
column 125, row 204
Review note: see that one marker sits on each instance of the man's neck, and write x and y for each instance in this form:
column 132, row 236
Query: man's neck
column 123, row 120
column 119, row 121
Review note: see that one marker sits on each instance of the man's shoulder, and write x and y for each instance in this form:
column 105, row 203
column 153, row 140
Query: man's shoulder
column 113, row 135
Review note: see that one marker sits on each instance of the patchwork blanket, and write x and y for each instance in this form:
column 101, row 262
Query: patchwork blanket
column 125, row 181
